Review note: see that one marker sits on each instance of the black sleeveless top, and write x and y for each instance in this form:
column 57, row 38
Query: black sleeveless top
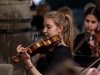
column 59, row 54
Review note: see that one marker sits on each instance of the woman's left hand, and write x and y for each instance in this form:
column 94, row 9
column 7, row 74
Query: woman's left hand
column 93, row 48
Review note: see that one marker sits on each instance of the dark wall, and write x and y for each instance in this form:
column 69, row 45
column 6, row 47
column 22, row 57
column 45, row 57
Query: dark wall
column 55, row 4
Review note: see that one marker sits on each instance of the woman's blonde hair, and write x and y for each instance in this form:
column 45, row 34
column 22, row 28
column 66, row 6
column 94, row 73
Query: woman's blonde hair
column 66, row 10
column 65, row 21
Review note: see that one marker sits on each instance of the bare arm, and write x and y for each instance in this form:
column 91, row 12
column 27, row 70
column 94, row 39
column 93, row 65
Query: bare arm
column 26, row 57
column 31, row 68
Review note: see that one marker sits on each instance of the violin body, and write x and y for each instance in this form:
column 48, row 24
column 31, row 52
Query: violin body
column 97, row 40
column 40, row 46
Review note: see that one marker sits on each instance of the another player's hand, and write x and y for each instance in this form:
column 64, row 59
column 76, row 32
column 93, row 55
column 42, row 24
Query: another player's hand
column 93, row 71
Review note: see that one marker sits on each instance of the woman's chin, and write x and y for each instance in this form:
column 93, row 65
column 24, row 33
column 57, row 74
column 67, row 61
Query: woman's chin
column 47, row 37
column 89, row 31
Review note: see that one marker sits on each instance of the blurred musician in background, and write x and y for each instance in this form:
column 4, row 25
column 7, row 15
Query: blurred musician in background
column 91, row 22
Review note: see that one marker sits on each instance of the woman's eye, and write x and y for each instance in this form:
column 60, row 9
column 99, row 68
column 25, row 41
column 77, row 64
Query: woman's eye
column 48, row 27
column 87, row 20
column 93, row 22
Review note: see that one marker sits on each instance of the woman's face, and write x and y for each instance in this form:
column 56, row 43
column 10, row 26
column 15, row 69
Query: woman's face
column 91, row 23
column 50, row 28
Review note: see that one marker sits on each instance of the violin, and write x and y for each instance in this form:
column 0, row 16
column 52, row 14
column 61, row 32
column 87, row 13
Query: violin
column 38, row 47
column 97, row 48
column 83, row 40
column 96, row 33
column 97, row 40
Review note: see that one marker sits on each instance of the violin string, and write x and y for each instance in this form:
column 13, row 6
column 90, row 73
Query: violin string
column 33, row 44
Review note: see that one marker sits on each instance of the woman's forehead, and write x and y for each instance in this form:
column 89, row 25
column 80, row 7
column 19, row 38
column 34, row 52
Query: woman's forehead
column 48, row 20
column 91, row 16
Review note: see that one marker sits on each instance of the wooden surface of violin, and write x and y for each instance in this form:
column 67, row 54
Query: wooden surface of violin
column 97, row 40
column 38, row 47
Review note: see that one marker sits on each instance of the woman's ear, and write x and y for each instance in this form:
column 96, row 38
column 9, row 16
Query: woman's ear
column 60, row 29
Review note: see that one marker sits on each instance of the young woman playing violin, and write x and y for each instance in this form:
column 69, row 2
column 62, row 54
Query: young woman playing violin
column 91, row 22
column 55, row 23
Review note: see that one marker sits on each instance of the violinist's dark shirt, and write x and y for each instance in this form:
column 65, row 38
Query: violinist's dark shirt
column 59, row 54
column 84, row 49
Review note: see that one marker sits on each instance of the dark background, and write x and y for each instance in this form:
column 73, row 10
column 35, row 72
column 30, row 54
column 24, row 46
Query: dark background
column 55, row 4
column 77, row 7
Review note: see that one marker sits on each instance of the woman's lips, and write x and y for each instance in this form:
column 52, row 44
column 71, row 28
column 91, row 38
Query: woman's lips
column 89, row 29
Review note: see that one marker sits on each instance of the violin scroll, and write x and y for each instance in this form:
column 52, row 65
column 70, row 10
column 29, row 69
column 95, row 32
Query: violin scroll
column 16, row 58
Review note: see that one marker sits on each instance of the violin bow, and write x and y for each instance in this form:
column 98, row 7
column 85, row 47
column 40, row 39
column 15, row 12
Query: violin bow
column 83, row 40
column 90, row 65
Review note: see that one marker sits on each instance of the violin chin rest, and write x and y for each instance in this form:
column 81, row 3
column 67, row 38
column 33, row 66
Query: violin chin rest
column 93, row 32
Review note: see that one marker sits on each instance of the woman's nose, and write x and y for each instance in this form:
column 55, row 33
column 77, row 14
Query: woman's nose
column 89, row 24
column 44, row 30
